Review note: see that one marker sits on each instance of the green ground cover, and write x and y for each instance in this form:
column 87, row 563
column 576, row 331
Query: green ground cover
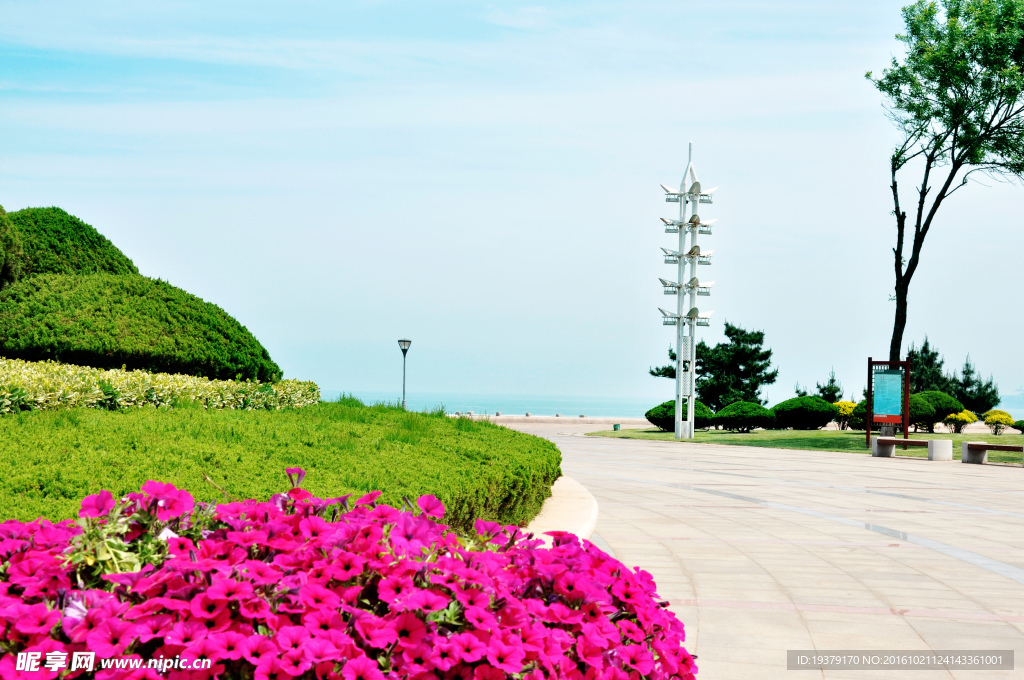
column 825, row 440
column 49, row 460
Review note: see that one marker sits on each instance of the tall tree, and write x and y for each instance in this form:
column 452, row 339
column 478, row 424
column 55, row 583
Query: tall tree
column 730, row 371
column 969, row 389
column 832, row 390
column 926, row 369
column 10, row 251
column 958, row 100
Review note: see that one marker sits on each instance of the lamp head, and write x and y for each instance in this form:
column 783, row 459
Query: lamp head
column 404, row 344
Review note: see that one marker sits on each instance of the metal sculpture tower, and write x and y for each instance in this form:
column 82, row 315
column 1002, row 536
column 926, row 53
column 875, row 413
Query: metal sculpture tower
column 688, row 197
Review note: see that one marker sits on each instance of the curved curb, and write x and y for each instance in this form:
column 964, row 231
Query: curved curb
column 570, row 508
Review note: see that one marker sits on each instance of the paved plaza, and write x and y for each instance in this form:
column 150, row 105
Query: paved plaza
column 761, row 551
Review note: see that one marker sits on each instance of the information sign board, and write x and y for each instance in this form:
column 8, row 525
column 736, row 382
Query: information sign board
column 888, row 395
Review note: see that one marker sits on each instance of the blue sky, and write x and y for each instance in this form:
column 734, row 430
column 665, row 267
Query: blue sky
column 483, row 179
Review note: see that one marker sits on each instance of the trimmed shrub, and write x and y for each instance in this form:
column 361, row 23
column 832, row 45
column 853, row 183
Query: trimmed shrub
column 943, row 404
column 111, row 321
column 844, row 410
column 997, row 420
column 744, row 416
column 11, row 257
column 47, row 385
column 300, row 586
column 50, row 459
column 1019, row 426
column 804, row 413
column 55, row 242
column 663, row 415
column 958, row 421
column 859, row 416
column 922, row 413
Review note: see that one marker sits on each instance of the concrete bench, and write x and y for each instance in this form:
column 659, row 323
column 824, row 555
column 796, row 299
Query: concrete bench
column 977, row 452
column 938, row 449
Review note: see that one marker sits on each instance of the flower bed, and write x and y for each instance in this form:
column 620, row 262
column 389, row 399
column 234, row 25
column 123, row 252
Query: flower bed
column 303, row 587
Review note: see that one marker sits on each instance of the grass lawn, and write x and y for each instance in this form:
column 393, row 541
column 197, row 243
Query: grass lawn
column 826, row 440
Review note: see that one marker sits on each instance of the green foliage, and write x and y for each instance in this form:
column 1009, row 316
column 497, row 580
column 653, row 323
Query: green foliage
column 50, row 460
column 804, row 413
column 858, row 417
column 998, row 421
column 744, row 416
column 11, row 256
column 922, row 413
column 958, row 421
column 943, row 405
column 970, row 390
column 47, row 385
column 110, row 321
column 926, row 370
column 957, row 98
column 663, row 415
column 832, row 390
column 730, row 371
column 1019, row 426
column 55, row 242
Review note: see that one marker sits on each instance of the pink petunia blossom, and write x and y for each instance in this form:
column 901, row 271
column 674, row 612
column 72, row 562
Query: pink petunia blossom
column 361, row 668
column 430, row 506
column 97, row 505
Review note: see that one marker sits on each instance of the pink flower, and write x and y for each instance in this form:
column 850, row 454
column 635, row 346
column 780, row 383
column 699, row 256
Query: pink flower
column 430, row 506
column 638, row 657
column 97, row 505
column 361, row 668
column 110, row 638
column 508, row 658
column 170, row 502
column 35, row 619
column 258, row 647
column 368, row 498
column 295, row 475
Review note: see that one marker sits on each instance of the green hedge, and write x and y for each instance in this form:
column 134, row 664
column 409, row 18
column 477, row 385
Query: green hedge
column 663, row 416
column 50, row 460
column 11, row 260
column 804, row 413
column 54, row 242
column 110, row 321
column 48, row 385
column 744, row 416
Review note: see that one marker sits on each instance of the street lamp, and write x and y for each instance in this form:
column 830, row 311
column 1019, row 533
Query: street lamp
column 404, row 344
column 686, row 323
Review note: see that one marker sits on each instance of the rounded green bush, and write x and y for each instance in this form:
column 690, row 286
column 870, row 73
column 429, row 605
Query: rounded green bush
column 54, row 242
column 10, row 251
column 804, row 413
column 922, row 413
column 1018, row 425
column 663, row 415
column 943, row 404
column 109, row 321
column 744, row 416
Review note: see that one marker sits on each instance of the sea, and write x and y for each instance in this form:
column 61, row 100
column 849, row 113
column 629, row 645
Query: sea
column 595, row 407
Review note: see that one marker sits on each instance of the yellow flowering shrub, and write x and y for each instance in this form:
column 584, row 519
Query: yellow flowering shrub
column 844, row 409
column 958, row 421
column 997, row 420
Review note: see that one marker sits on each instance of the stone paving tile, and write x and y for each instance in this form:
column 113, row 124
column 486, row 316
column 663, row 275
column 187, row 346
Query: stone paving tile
column 760, row 550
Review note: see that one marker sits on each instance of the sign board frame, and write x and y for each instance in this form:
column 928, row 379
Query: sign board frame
column 904, row 417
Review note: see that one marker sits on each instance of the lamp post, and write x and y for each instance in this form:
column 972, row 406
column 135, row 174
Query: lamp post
column 404, row 344
column 686, row 344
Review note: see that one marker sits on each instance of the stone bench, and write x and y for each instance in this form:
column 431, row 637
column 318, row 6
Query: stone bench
column 977, row 452
column 938, row 449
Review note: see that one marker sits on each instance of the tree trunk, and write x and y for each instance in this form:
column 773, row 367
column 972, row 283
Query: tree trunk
column 900, row 322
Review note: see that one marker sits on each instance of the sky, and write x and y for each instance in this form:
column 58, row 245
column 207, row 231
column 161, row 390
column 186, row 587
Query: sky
column 482, row 178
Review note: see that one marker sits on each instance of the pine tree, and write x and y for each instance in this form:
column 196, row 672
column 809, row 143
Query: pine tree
column 977, row 395
column 730, row 371
column 926, row 370
column 831, row 391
